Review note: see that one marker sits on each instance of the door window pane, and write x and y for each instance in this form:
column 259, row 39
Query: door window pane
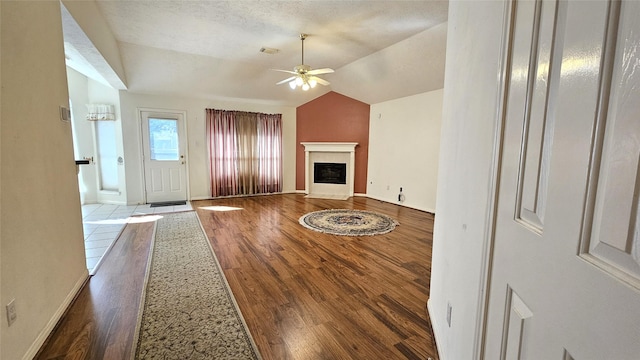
column 163, row 139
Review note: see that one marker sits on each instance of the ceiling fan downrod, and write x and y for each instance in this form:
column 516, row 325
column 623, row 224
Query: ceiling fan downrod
column 302, row 37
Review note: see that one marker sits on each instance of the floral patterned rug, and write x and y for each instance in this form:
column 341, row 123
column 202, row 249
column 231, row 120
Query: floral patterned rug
column 348, row 222
column 188, row 310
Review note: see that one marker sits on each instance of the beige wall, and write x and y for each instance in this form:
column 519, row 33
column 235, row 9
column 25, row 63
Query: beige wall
column 404, row 143
column 42, row 247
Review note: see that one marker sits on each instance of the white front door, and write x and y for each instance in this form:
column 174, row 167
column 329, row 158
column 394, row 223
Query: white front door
column 565, row 265
column 163, row 141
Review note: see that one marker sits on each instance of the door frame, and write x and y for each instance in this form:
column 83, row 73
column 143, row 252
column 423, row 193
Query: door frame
column 185, row 128
column 494, row 179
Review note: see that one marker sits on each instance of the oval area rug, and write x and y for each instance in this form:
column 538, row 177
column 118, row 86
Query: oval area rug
column 348, row 222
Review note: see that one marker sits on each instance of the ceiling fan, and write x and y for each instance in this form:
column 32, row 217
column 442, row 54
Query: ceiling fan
column 303, row 76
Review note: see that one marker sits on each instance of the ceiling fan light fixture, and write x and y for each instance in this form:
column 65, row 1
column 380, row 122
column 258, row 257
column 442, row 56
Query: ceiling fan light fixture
column 303, row 75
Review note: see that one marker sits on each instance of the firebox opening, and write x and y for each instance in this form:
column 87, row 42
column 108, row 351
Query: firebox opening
column 330, row 173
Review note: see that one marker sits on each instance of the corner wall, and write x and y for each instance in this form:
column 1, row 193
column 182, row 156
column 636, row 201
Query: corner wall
column 83, row 143
column 41, row 241
column 471, row 94
column 404, row 144
column 83, row 91
column 333, row 117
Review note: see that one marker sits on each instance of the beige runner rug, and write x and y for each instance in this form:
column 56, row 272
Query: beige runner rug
column 188, row 310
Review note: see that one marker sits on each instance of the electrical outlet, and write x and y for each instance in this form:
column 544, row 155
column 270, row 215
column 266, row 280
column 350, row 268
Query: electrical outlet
column 11, row 312
column 449, row 308
column 387, row 187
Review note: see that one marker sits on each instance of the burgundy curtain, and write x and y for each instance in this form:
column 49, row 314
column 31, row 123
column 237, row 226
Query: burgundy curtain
column 245, row 152
column 269, row 153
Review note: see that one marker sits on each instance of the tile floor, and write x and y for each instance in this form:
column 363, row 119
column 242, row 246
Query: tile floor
column 103, row 223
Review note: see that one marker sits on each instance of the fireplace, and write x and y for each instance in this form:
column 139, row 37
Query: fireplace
column 329, row 169
column 329, row 173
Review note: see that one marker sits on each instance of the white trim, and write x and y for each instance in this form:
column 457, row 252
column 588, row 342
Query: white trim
column 185, row 129
column 432, row 211
column 330, row 147
column 112, row 202
column 51, row 325
column 435, row 326
column 206, row 197
column 494, row 183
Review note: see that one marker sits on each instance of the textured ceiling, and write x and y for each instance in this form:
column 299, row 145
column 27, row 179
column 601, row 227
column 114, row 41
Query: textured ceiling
column 380, row 50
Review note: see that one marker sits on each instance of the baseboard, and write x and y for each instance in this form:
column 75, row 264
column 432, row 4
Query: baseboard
column 430, row 211
column 200, row 198
column 302, row 192
column 53, row 322
column 435, row 328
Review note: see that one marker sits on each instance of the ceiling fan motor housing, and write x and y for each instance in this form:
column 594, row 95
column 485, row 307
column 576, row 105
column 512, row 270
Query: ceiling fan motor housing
column 302, row 69
column 303, row 75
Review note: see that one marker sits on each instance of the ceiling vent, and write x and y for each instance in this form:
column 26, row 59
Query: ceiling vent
column 269, row 51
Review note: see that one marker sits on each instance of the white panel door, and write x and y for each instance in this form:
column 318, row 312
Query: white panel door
column 565, row 265
column 163, row 141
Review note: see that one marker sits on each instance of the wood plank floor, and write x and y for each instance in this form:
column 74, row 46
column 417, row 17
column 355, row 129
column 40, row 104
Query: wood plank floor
column 101, row 322
column 304, row 294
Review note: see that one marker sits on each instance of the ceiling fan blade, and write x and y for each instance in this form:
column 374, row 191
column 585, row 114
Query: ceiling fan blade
column 320, row 80
column 320, row 71
column 286, row 71
column 286, row 80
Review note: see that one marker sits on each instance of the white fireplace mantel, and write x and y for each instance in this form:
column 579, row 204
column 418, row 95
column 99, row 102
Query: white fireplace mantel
column 314, row 152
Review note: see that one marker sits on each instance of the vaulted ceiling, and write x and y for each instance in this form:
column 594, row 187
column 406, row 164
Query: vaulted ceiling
column 381, row 50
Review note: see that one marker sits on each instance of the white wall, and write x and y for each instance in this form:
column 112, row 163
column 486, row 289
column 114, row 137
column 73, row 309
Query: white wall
column 83, row 143
column 100, row 44
column 41, row 241
column 404, row 143
column 197, row 150
column 103, row 94
column 83, row 91
column 465, row 176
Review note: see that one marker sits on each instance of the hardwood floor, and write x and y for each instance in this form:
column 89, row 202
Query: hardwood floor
column 303, row 294
column 101, row 322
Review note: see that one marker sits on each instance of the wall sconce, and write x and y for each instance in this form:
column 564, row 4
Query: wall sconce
column 99, row 112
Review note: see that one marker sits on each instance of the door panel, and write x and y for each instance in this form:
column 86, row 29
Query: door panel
column 613, row 242
column 163, row 139
column 564, row 266
column 536, row 45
